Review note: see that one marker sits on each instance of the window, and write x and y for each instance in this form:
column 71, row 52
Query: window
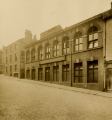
column 22, row 57
column 10, row 70
column 10, row 58
column 33, row 55
column 65, row 70
column 6, row 60
column 92, row 71
column 47, row 73
column 15, row 56
column 28, row 74
column 65, row 45
column 56, row 48
column 15, row 46
column 40, row 73
column 78, row 72
column 92, row 37
column 6, row 51
column 27, row 57
column 47, row 51
column 40, row 53
column 56, row 73
column 78, row 41
column 15, row 68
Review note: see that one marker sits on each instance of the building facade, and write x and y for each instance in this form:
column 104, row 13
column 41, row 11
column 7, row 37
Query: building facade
column 14, row 56
column 1, row 62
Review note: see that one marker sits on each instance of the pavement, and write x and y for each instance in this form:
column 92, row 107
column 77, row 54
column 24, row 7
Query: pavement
column 81, row 90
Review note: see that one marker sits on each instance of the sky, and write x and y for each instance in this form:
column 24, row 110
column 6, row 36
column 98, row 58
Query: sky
column 40, row 15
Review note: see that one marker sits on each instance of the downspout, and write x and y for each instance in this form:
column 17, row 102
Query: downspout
column 71, row 60
column 105, row 56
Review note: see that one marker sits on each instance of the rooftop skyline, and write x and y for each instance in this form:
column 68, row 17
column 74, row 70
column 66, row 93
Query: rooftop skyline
column 39, row 16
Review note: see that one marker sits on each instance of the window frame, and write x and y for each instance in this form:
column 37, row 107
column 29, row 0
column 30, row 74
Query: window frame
column 92, row 31
column 40, row 74
column 92, row 63
column 56, row 72
column 40, row 53
column 66, row 71
column 56, row 48
column 33, row 55
column 48, row 51
column 28, row 56
column 77, row 37
column 79, row 72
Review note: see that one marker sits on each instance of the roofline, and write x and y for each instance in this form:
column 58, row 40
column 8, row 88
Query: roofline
column 70, row 27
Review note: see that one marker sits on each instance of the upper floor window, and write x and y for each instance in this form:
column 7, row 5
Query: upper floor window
column 15, row 46
column 40, row 53
column 56, row 48
column 78, row 41
column 92, row 37
column 15, row 68
column 65, row 45
column 47, row 50
column 10, row 58
column 6, row 60
column 15, row 56
column 27, row 57
column 33, row 55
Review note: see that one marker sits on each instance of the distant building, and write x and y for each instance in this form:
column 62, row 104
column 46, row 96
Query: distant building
column 77, row 56
column 1, row 62
column 14, row 56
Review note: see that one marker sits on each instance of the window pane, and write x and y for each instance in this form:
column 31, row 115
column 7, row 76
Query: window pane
column 54, row 53
column 95, row 43
column 54, row 77
column 57, row 52
column 90, row 44
column 76, row 73
column 57, row 76
column 76, row 79
column 80, row 79
column 64, row 45
column 76, row 41
column 64, row 76
column 76, row 67
column 80, row 40
column 67, row 50
column 95, row 36
column 90, row 66
column 80, row 46
column 64, row 51
column 95, row 75
column 76, row 48
column 57, row 47
column 80, row 73
column 90, row 76
column 90, row 37
column 67, row 44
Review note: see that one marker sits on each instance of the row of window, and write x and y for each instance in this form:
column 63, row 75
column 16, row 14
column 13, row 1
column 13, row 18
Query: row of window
column 92, row 72
column 11, row 58
column 11, row 69
column 78, row 45
column 11, row 48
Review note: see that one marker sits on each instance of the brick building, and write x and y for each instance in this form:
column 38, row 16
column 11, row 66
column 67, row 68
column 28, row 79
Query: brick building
column 1, row 62
column 14, row 56
column 75, row 56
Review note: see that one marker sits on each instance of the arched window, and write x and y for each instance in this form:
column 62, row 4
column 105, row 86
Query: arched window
column 27, row 57
column 56, row 48
column 92, row 37
column 33, row 55
column 65, row 45
column 47, row 50
column 40, row 53
column 78, row 41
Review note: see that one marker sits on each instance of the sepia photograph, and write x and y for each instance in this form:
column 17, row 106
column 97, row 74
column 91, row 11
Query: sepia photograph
column 55, row 59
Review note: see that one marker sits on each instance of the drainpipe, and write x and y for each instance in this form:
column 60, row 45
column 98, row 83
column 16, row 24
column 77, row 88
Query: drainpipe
column 105, row 89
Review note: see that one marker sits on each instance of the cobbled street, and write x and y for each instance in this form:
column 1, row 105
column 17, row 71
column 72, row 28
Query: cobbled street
column 21, row 100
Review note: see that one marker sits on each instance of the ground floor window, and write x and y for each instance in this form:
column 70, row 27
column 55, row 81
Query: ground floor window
column 78, row 72
column 56, row 73
column 92, row 71
column 40, row 73
column 10, row 70
column 65, row 72
column 28, row 74
column 47, row 73
column 33, row 74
